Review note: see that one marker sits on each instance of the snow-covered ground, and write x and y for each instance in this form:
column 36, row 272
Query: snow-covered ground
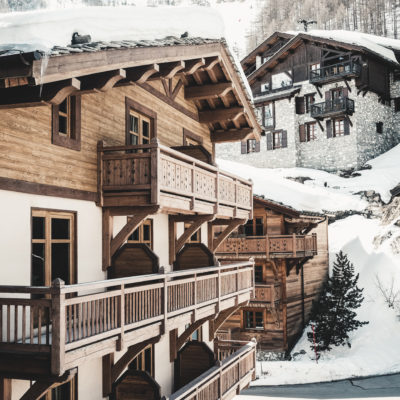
column 338, row 194
column 369, row 245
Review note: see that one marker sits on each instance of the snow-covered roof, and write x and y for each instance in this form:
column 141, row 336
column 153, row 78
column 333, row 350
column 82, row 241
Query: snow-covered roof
column 44, row 29
column 381, row 46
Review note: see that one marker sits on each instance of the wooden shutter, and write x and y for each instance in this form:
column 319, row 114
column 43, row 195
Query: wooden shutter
column 345, row 92
column 257, row 148
column 328, row 95
column 269, row 141
column 346, row 127
column 243, row 147
column 329, row 128
column 302, row 133
column 300, row 106
column 284, row 138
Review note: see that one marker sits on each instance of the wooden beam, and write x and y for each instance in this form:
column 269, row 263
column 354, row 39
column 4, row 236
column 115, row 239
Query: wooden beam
column 176, row 89
column 232, row 135
column 207, row 91
column 189, row 332
column 218, row 115
column 141, row 74
column 129, row 227
column 171, row 238
column 52, row 93
column 107, row 227
column 235, row 223
column 129, row 356
column 194, row 227
column 211, row 62
column 40, row 388
column 5, row 389
column 102, row 82
column 169, row 70
column 173, row 350
column 193, row 65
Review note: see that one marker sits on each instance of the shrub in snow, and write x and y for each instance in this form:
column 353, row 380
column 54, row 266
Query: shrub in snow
column 333, row 316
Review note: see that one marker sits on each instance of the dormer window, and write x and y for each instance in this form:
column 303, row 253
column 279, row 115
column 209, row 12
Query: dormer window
column 66, row 123
column 264, row 87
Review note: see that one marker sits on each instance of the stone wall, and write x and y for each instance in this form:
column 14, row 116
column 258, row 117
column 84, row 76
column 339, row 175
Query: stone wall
column 329, row 154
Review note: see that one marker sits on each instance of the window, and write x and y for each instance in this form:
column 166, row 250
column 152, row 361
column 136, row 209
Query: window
column 264, row 87
column 338, row 127
column 140, row 123
column 379, row 127
column 336, row 94
column 196, row 237
column 396, row 104
column 282, row 80
column 253, row 320
column 64, row 391
column 143, row 233
column 251, row 145
column 253, row 227
column 277, row 139
column 196, row 335
column 314, row 67
column 310, row 100
column 144, row 361
column 258, row 273
column 191, row 139
column 53, row 247
column 269, row 115
column 66, row 123
column 311, row 129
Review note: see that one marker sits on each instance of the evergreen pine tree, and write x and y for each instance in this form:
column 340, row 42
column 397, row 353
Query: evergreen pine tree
column 333, row 316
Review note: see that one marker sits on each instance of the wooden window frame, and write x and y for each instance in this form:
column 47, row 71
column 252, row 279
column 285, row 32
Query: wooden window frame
column 132, row 105
column 199, row 334
column 272, row 105
column 48, row 241
column 310, row 136
column 141, row 354
column 149, row 222
column 191, row 136
column 196, row 237
column 253, row 223
column 254, row 311
column 72, row 139
column 307, row 102
column 251, row 146
column 341, row 132
column 279, row 135
column 74, row 392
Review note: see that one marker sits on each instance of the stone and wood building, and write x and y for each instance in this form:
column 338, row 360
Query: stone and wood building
column 108, row 187
column 327, row 100
column 290, row 251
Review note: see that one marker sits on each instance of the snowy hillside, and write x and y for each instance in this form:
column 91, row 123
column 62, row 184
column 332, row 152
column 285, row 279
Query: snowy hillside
column 373, row 246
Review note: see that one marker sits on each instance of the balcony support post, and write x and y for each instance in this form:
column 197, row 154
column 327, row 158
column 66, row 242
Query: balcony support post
column 120, row 341
column 294, row 245
column 165, row 302
column 107, row 222
column 155, row 171
column 58, row 327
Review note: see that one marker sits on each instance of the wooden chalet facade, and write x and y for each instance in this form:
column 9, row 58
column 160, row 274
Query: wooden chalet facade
column 327, row 100
column 108, row 185
column 291, row 264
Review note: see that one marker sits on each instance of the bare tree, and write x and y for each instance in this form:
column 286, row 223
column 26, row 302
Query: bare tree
column 389, row 293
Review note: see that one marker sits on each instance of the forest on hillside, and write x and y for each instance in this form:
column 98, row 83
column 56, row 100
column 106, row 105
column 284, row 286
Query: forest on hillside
column 379, row 17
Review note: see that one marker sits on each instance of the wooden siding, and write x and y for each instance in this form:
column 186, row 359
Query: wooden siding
column 28, row 155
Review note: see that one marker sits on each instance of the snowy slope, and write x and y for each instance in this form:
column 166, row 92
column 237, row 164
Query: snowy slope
column 313, row 195
column 375, row 347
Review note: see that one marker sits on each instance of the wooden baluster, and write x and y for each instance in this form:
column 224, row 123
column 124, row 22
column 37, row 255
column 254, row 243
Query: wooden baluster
column 80, row 322
column 58, row 327
column 23, row 324
column 120, row 343
column 16, row 323
column 165, row 304
column 69, row 315
column 294, row 245
column 32, row 309
column 8, row 324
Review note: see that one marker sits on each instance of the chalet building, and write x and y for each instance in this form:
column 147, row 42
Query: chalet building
column 108, row 189
column 328, row 100
column 291, row 264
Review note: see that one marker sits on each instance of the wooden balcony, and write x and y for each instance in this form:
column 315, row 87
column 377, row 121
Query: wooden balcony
column 224, row 381
column 332, row 108
column 268, row 293
column 53, row 334
column 331, row 73
column 154, row 174
column 269, row 246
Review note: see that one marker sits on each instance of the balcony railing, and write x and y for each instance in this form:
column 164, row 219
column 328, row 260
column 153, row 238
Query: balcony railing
column 258, row 92
column 71, row 319
column 342, row 105
column 154, row 174
column 268, row 293
column 234, row 373
column 269, row 246
column 337, row 71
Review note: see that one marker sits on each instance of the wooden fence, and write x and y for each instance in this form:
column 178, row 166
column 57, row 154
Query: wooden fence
column 68, row 317
column 156, row 169
column 234, row 372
